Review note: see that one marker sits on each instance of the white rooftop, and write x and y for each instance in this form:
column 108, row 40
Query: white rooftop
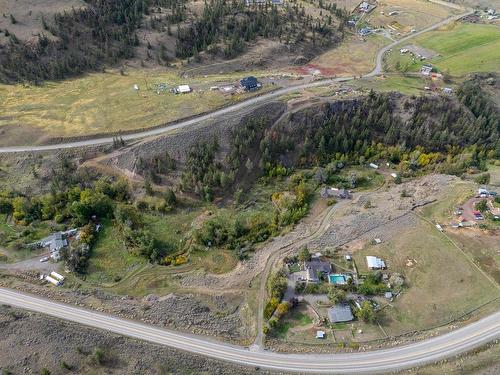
column 320, row 334
column 374, row 262
column 184, row 88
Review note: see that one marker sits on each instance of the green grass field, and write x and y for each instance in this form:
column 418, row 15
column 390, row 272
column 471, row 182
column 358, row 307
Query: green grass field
column 461, row 48
column 110, row 261
column 409, row 85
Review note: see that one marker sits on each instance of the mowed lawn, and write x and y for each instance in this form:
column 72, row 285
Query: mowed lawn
column 441, row 282
column 461, row 48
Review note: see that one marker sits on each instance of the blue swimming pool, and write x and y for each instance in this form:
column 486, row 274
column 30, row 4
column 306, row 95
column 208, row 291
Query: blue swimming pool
column 337, row 278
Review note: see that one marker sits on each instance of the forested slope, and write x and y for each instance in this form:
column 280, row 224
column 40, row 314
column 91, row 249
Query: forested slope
column 106, row 32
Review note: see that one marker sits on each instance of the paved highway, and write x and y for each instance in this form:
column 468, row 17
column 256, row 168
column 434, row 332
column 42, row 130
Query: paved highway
column 379, row 361
column 236, row 107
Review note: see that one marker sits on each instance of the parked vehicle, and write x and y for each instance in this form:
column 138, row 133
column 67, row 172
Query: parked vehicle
column 44, row 259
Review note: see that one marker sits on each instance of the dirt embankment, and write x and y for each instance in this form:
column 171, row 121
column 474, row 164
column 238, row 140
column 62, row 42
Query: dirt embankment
column 213, row 315
column 30, row 342
column 178, row 142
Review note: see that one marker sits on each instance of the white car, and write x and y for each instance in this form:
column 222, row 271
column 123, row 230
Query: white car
column 44, row 259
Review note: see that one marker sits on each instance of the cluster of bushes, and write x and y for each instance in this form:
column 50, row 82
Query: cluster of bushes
column 153, row 167
column 235, row 232
column 203, row 174
column 76, row 204
column 240, row 231
column 78, row 254
column 137, row 238
column 276, row 287
column 372, row 285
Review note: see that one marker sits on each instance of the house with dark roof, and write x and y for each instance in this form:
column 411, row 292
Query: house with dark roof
column 249, row 83
column 340, row 313
column 315, row 268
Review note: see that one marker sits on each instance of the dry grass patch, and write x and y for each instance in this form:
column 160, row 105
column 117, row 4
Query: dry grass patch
column 441, row 282
column 107, row 103
column 354, row 56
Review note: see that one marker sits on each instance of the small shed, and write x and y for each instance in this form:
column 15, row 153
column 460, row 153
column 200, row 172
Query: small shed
column 388, row 295
column 320, row 334
column 183, row 89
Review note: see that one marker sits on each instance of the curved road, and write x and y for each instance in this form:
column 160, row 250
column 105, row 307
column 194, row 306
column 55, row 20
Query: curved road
column 434, row 349
column 245, row 104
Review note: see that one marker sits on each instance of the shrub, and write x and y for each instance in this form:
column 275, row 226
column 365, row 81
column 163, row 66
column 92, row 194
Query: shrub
column 482, row 205
column 180, row 259
column 282, row 309
column 270, row 307
column 64, row 365
column 366, row 312
column 483, row 179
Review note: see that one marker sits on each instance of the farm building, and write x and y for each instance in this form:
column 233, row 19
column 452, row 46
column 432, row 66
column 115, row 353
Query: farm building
column 365, row 7
column 249, row 83
column 340, row 313
column 54, row 242
column 375, row 263
column 482, row 191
